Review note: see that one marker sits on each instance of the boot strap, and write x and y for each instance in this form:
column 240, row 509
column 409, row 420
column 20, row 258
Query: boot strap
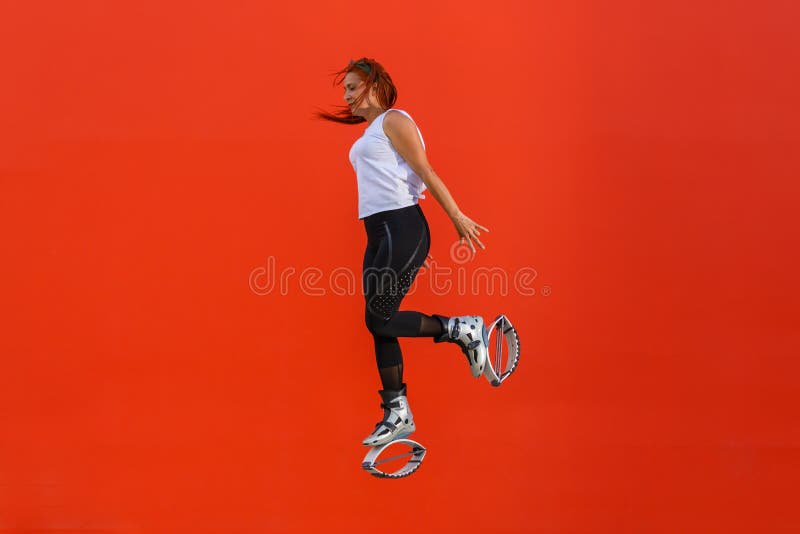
column 388, row 424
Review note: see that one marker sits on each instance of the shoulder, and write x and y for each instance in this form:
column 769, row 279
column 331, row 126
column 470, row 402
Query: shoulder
column 399, row 121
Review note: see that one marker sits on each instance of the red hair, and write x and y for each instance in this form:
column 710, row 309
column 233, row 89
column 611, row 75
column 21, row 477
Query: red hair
column 385, row 91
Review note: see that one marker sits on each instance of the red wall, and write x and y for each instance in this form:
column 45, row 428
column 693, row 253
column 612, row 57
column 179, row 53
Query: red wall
column 640, row 157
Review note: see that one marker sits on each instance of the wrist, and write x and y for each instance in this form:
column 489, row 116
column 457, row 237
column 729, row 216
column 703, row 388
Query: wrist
column 454, row 214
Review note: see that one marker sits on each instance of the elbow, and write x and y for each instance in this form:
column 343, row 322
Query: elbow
column 428, row 176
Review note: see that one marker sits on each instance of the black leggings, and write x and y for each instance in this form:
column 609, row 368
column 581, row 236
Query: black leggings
column 398, row 242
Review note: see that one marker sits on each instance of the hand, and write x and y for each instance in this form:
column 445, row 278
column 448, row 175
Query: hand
column 468, row 230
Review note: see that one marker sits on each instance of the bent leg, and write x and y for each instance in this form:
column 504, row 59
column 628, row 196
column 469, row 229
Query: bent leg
column 404, row 323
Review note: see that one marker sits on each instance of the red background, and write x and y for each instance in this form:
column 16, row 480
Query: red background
column 641, row 157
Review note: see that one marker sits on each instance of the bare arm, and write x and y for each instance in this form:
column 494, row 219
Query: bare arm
column 402, row 132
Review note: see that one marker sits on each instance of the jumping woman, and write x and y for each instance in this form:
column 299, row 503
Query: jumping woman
column 392, row 172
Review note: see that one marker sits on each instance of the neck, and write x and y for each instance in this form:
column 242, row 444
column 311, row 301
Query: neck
column 372, row 114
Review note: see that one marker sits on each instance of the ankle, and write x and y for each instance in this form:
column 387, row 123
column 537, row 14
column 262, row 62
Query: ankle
column 444, row 334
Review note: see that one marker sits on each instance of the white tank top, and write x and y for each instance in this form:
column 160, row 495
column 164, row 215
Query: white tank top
column 385, row 180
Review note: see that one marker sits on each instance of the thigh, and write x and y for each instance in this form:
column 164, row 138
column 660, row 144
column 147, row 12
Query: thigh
column 368, row 283
column 378, row 280
column 408, row 237
column 393, row 286
column 399, row 243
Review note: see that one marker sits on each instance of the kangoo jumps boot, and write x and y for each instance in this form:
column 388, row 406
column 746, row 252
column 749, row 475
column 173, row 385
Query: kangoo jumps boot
column 469, row 333
column 397, row 422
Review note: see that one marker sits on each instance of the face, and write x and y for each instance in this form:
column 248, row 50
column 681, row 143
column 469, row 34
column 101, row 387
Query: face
column 354, row 86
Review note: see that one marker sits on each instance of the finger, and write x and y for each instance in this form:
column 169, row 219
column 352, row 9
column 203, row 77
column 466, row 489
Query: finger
column 481, row 227
column 471, row 246
column 479, row 242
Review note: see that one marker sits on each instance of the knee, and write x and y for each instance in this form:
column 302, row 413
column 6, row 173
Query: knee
column 375, row 323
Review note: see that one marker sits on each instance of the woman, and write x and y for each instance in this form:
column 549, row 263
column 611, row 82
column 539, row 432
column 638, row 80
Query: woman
column 392, row 172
